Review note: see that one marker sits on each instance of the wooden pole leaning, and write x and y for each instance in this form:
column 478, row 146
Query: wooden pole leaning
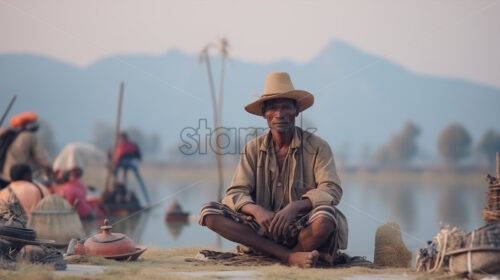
column 109, row 178
column 205, row 57
column 6, row 112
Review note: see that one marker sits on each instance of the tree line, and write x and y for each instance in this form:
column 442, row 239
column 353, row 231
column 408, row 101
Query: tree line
column 454, row 144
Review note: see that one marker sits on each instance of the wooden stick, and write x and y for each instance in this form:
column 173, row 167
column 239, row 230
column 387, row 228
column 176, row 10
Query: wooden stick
column 224, row 55
column 12, row 100
column 498, row 166
column 109, row 178
column 215, row 108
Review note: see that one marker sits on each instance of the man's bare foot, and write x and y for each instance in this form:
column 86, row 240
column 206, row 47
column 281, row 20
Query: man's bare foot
column 303, row 259
column 327, row 258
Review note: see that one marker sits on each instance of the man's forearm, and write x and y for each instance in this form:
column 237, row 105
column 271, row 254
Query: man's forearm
column 251, row 209
column 302, row 205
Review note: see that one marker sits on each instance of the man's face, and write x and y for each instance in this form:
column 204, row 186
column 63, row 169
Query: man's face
column 280, row 114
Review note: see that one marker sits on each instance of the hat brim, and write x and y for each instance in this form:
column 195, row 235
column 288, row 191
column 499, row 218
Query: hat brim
column 26, row 241
column 304, row 100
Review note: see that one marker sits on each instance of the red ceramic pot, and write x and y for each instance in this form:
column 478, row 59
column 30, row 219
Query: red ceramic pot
column 110, row 245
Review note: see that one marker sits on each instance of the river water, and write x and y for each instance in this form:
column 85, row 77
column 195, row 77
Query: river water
column 419, row 208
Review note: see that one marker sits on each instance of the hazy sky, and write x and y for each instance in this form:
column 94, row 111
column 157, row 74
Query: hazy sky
column 450, row 38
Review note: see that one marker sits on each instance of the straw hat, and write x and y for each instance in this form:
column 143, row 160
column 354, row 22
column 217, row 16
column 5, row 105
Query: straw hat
column 22, row 236
column 22, row 119
column 279, row 85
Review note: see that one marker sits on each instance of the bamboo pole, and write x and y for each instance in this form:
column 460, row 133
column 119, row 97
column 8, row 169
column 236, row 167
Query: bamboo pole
column 6, row 112
column 218, row 153
column 498, row 166
column 109, row 178
column 206, row 58
column 224, row 54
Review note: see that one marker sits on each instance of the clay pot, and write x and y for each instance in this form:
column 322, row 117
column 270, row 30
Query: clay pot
column 110, row 245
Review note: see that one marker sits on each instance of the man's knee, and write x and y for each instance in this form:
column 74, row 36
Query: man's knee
column 211, row 221
column 316, row 234
column 322, row 226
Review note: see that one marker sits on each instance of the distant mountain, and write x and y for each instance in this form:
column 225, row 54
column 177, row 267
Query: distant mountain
column 360, row 98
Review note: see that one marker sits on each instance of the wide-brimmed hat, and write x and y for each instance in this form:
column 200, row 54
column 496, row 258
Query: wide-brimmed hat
column 22, row 236
column 279, row 85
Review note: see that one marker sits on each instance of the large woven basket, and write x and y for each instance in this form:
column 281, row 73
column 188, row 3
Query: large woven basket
column 491, row 210
column 53, row 218
column 477, row 251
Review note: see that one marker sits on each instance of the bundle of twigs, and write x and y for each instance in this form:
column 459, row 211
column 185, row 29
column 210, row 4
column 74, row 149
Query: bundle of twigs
column 491, row 210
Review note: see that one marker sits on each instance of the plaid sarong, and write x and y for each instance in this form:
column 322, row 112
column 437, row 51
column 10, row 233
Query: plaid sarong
column 337, row 240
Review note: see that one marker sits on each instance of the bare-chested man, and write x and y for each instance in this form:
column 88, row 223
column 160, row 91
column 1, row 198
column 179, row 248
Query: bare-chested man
column 282, row 196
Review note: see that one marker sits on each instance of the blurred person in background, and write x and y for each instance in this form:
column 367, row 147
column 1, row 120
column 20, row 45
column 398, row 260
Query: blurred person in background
column 19, row 144
column 75, row 193
column 125, row 157
column 23, row 189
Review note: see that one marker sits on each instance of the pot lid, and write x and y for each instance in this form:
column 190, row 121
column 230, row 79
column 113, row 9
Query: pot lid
column 106, row 236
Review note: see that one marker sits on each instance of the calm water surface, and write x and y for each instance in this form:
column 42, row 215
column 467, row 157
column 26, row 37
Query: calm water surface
column 418, row 208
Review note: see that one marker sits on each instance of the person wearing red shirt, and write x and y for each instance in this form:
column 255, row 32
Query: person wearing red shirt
column 124, row 157
column 76, row 193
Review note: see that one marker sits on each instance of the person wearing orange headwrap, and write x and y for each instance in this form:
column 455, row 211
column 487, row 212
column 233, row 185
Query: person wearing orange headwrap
column 18, row 144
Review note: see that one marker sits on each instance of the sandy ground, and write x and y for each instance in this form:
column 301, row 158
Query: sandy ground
column 171, row 264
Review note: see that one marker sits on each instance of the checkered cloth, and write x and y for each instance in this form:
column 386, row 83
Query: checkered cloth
column 290, row 238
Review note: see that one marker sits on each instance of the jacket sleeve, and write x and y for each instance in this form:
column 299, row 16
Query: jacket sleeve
column 242, row 185
column 328, row 190
column 40, row 154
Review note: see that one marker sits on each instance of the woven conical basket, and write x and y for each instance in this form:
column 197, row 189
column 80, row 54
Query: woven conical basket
column 390, row 250
column 53, row 218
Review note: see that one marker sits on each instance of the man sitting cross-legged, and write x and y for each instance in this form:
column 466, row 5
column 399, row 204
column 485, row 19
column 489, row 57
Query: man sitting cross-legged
column 282, row 195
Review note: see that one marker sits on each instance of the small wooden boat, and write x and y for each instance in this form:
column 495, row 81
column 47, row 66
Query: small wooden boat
column 175, row 214
column 117, row 202
column 122, row 209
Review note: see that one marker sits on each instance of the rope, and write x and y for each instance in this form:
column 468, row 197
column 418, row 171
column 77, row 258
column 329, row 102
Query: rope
column 441, row 241
column 469, row 254
column 441, row 250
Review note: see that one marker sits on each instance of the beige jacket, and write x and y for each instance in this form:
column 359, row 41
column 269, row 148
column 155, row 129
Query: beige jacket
column 312, row 173
column 25, row 149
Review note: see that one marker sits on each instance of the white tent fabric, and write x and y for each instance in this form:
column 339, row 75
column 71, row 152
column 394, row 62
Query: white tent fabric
column 79, row 154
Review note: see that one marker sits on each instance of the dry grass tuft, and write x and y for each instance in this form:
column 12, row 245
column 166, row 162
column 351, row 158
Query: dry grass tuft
column 293, row 273
column 29, row 271
column 88, row 259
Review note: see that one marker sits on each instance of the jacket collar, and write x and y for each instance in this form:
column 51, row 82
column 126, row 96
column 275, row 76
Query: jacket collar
column 296, row 141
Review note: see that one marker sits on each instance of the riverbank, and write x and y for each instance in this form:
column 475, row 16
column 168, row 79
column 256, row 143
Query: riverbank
column 171, row 264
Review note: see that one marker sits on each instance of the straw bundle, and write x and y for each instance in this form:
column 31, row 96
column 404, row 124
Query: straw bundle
column 491, row 210
column 389, row 247
column 53, row 218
